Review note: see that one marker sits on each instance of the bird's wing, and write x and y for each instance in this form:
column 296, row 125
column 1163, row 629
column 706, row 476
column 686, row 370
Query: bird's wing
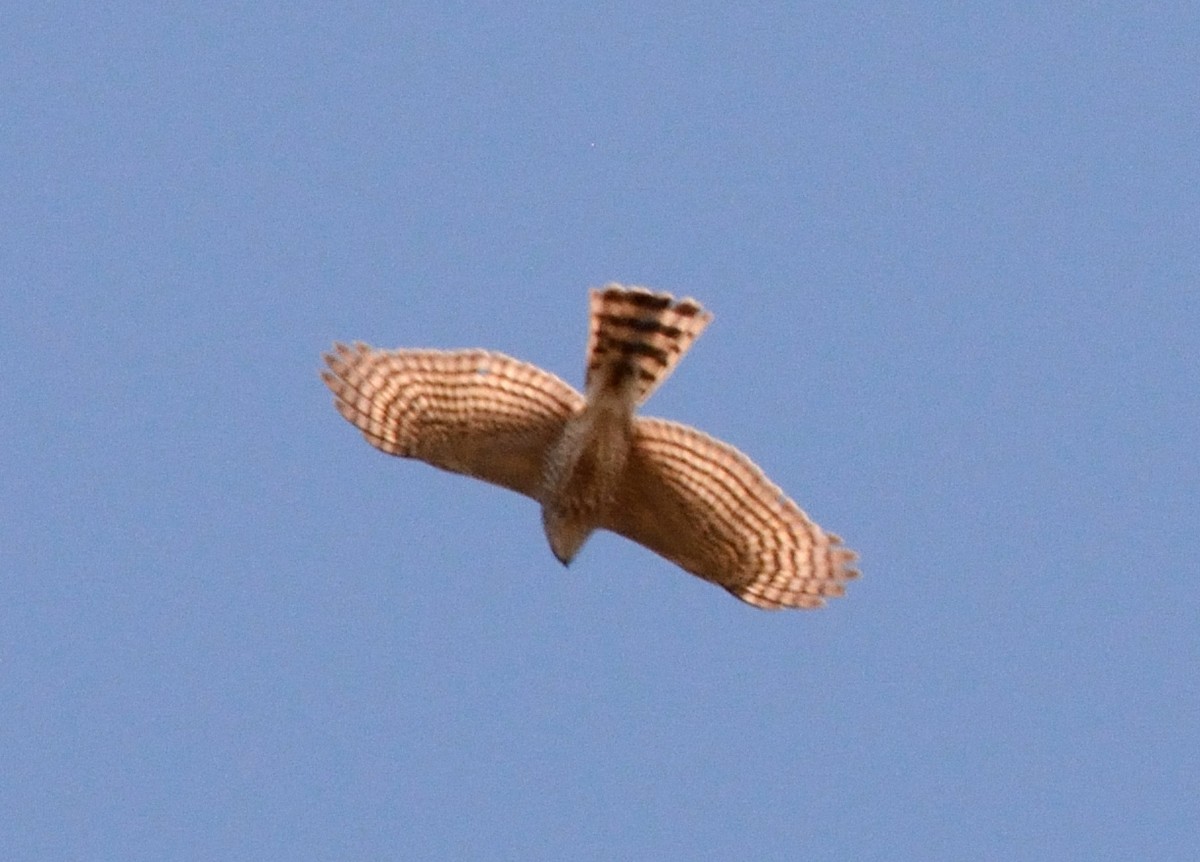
column 704, row 505
column 474, row 412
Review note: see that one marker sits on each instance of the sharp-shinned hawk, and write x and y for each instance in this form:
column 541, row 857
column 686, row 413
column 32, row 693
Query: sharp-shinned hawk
column 588, row 460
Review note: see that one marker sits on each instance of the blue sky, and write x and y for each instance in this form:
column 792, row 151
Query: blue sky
column 952, row 253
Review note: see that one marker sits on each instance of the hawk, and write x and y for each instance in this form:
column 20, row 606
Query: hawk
column 588, row 460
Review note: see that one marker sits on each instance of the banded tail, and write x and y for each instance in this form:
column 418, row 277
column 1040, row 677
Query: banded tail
column 638, row 336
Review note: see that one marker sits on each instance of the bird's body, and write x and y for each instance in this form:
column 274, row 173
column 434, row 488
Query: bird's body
column 589, row 461
column 583, row 472
column 636, row 339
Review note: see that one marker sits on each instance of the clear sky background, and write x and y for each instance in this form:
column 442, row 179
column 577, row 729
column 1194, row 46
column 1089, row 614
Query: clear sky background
column 953, row 255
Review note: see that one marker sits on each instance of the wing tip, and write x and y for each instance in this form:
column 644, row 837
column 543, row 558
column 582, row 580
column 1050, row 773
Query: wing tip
column 801, row 601
column 802, row 593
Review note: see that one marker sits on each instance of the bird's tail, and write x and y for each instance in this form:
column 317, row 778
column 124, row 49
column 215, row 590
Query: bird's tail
column 637, row 337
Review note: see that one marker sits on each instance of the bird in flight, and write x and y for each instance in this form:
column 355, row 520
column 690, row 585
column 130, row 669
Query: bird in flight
column 588, row 459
